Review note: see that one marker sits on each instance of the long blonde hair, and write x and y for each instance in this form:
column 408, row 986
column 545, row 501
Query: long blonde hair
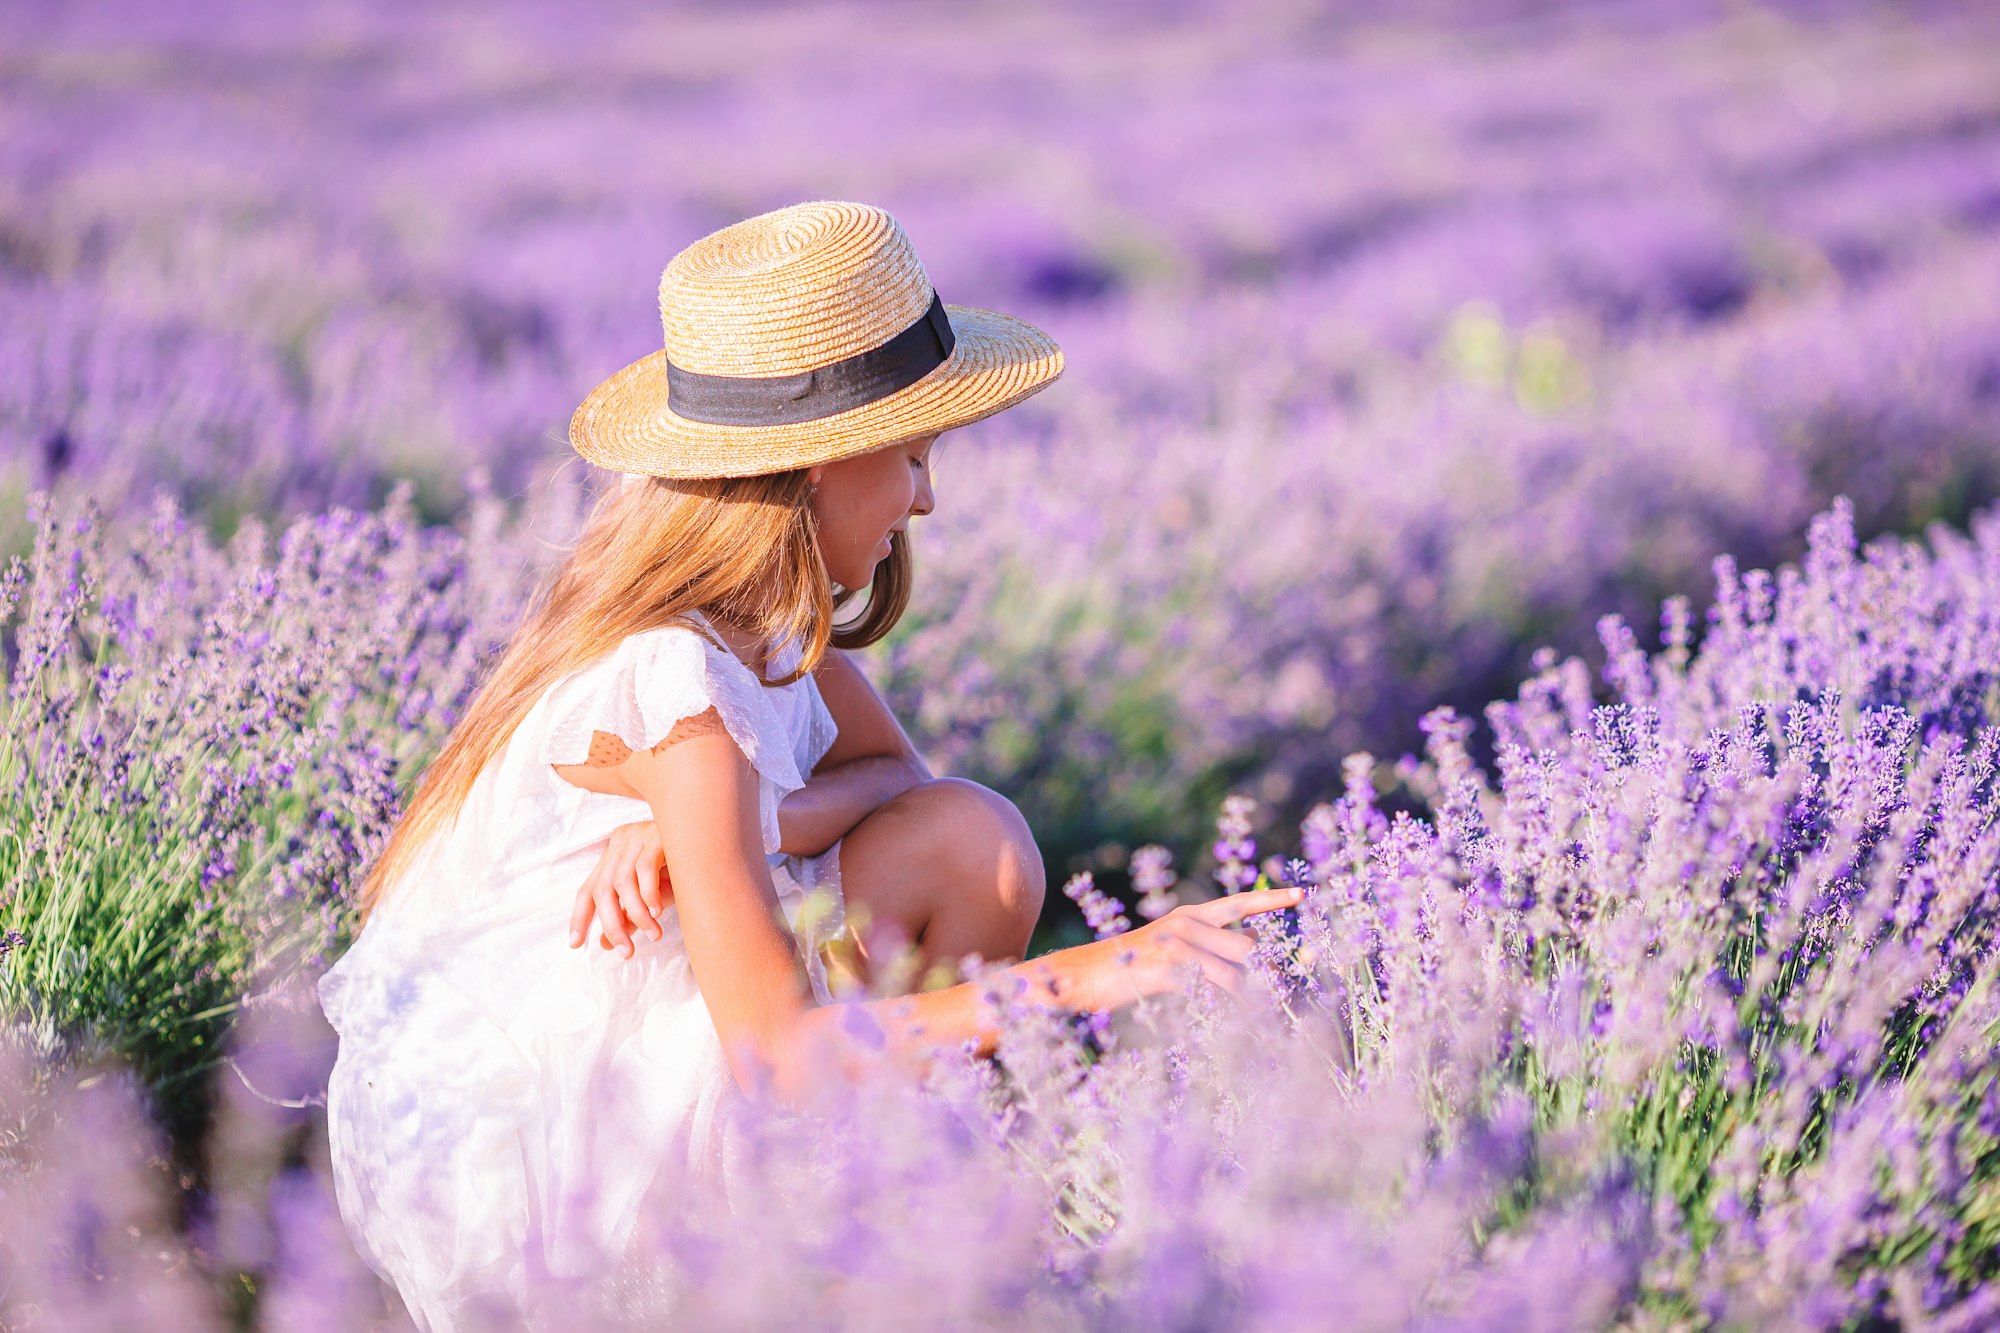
column 739, row 549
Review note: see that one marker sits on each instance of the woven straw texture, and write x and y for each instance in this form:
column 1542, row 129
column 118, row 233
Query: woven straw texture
column 788, row 291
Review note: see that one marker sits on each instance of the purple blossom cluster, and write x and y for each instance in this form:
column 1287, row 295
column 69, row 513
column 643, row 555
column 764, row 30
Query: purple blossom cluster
column 1235, row 849
column 1100, row 911
column 1682, row 1015
column 203, row 744
column 1152, row 870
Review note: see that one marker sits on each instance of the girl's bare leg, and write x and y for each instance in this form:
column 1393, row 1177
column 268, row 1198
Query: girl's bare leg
column 950, row 866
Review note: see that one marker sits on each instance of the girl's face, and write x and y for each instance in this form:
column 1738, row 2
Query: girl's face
column 862, row 499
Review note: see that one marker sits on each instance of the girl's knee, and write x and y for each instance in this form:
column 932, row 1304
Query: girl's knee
column 979, row 824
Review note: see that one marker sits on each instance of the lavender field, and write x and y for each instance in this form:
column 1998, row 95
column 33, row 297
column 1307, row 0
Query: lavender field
column 1622, row 377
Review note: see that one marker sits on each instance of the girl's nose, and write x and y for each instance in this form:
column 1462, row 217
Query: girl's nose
column 926, row 500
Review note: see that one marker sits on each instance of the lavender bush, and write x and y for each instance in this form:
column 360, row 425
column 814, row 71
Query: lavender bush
column 1685, row 1017
column 202, row 745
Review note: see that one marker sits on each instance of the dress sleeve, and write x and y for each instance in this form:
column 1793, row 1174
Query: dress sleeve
column 657, row 677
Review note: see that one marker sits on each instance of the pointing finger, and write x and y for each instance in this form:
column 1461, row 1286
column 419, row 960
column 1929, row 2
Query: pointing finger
column 1234, row 907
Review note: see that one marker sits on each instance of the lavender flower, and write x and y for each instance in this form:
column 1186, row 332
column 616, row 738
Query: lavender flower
column 1102, row 911
column 1234, row 848
column 1152, row 869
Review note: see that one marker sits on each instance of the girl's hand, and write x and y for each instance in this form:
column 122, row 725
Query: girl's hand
column 627, row 890
column 1201, row 933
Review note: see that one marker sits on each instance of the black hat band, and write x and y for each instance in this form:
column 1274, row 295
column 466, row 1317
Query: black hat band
column 783, row 400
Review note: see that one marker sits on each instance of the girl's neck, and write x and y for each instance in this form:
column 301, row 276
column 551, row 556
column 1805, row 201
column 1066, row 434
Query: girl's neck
column 748, row 649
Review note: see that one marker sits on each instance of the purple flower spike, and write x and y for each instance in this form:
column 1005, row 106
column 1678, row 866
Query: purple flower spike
column 1101, row 910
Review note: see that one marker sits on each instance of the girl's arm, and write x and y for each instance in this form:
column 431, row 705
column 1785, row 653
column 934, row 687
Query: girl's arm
column 870, row 763
column 1104, row 974
column 703, row 793
column 704, row 797
column 837, row 797
column 867, row 727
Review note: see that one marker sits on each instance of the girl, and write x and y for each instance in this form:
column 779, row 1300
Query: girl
column 677, row 726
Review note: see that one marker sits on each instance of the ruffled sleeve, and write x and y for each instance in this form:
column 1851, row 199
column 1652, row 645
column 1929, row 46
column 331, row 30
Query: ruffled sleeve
column 654, row 679
column 821, row 729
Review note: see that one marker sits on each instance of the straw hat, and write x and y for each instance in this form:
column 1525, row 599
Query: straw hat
column 800, row 336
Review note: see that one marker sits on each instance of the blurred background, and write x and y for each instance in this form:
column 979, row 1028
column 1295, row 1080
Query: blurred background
column 1403, row 340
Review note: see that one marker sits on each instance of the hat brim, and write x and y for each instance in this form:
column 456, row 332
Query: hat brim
column 628, row 422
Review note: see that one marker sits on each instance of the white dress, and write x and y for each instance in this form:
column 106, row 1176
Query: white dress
column 501, row 1103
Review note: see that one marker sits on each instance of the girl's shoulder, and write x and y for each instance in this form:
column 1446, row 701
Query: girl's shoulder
column 688, row 646
column 686, row 640
column 656, row 677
